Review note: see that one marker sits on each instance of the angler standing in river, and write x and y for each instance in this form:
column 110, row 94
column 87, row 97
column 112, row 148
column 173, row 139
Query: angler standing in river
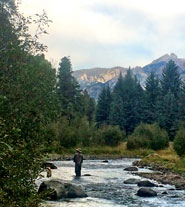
column 78, row 159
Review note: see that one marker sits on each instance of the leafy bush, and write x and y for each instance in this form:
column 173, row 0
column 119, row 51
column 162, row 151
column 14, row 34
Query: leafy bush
column 179, row 142
column 68, row 137
column 85, row 132
column 148, row 136
column 109, row 135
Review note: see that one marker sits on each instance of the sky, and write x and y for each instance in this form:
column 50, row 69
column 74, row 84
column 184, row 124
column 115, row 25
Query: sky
column 108, row 33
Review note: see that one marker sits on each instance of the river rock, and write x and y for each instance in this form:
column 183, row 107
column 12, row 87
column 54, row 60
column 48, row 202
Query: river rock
column 105, row 161
column 49, row 164
column 146, row 192
column 131, row 169
column 146, row 183
column 87, row 175
column 132, row 181
column 57, row 189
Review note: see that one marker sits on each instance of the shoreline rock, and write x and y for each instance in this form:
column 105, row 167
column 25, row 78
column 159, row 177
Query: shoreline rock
column 56, row 189
column 131, row 168
column 165, row 178
column 146, row 192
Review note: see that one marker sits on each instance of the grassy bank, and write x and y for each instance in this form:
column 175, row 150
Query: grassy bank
column 104, row 152
column 166, row 159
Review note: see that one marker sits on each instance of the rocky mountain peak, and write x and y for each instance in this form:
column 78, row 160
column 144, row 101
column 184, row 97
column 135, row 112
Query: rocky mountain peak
column 93, row 80
column 165, row 58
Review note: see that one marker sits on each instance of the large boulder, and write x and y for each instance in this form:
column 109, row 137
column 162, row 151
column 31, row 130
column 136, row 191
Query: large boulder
column 131, row 169
column 57, row 189
column 146, row 192
column 132, row 181
column 146, row 183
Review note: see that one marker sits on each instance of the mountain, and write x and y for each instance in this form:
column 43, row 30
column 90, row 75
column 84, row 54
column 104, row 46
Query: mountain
column 93, row 80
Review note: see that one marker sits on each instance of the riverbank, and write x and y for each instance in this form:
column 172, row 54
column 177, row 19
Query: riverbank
column 102, row 152
column 167, row 166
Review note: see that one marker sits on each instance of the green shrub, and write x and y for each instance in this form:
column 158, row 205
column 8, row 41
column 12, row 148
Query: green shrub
column 179, row 142
column 68, row 137
column 149, row 136
column 85, row 132
column 109, row 135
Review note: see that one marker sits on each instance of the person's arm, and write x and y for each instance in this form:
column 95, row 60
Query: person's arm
column 74, row 158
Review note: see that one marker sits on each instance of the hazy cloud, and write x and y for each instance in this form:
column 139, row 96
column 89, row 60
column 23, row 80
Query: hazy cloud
column 111, row 32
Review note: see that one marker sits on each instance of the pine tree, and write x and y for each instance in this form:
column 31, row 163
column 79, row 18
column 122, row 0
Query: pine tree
column 152, row 94
column 117, row 111
column 171, row 80
column 170, row 90
column 181, row 103
column 89, row 107
column 126, row 104
column 68, row 89
column 168, row 114
column 103, row 106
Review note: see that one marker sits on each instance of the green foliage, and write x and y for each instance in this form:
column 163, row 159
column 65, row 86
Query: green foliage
column 109, row 135
column 152, row 97
column 89, row 107
column 126, row 104
column 168, row 115
column 68, row 90
column 85, row 132
column 28, row 102
column 179, row 142
column 148, row 136
column 103, row 106
column 171, row 80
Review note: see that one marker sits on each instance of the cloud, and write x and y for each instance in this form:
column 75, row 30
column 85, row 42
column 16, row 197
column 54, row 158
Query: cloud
column 111, row 32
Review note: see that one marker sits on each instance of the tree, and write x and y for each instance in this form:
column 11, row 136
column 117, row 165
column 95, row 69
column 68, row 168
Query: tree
column 171, row 89
column 179, row 142
column 27, row 104
column 89, row 107
column 116, row 110
column 152, row 96
column 181, row 103
column 126, row 104
column 103, row 107
column 68, row 89
column 168, row 114
column 171, row 79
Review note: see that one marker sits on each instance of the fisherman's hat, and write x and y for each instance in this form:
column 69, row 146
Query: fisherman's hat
column 78, row 150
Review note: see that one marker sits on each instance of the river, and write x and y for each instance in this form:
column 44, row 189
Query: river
column 105, row 187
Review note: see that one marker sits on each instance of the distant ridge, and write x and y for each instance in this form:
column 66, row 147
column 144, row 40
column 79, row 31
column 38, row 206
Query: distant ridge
column 94, row 79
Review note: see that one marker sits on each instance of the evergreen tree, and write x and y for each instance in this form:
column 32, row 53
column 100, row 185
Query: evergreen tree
column 126, row 104
column 171, row 80
column 103, row 106
column 152, row 94
column 69, row 90
column 168, row 114
column 117, row 111
column 132, row 93
column 89, row 107
column 181, row 103
column 170, row 90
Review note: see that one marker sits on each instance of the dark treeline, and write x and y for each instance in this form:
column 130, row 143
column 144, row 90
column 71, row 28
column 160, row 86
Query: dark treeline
column 160, row 101
column 43, row 110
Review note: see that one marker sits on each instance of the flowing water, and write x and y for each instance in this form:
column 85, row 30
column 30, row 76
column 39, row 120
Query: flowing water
column 105, row 187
